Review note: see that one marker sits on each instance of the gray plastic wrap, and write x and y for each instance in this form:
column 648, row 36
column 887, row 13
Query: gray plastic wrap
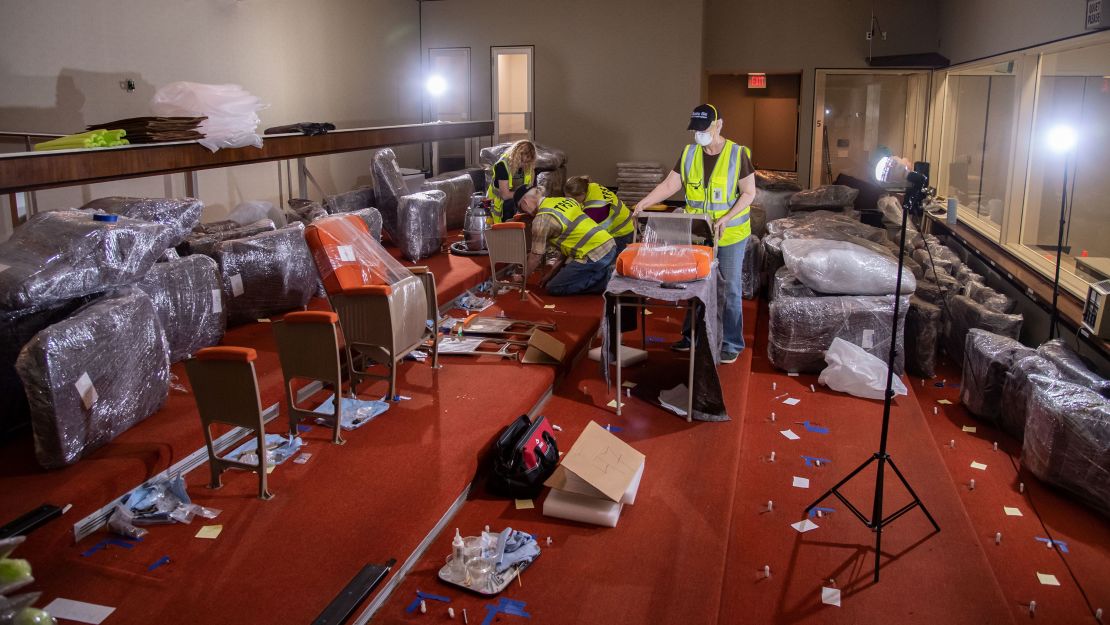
column 207, row 243
column 303, row 211
column 373, row 220
column 773, row 202
column 776, row 181
column 758, row 218
column 457, row 188
column 890, row 212
column 930, row 292
column 1072, row 367
column 216, row 226
column 753, row 267
column 802, row 328
column 772, row 259
column 964, row 314
column 180, row 215
column 838, row 267
column 942, row 258
column 1018, row 389
column 421, row 225
column 61, row 255
column 552, row 182
column 266, row 274
column 1067, row 440
column 964, row 275
column 353, row 200
column 547, row 158
column 923, row 322
column 189, row 301
column 988, row 297
column 987, row 359
column 389, row 186
column 94, row 375
column 786, row 284
column 827, row 196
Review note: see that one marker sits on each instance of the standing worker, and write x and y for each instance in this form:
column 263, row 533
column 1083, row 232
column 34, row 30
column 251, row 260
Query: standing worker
column 589, row 251
column 719, row 180
column 516, row 167
column 604, row 207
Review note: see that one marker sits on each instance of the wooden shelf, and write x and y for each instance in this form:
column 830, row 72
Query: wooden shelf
column 28, row 171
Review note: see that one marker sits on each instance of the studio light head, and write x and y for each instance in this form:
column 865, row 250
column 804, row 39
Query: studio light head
column 893, row 170
column 1062, row 139
column 436, row 85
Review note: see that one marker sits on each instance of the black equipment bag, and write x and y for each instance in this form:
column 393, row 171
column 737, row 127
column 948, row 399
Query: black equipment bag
column 523, row 456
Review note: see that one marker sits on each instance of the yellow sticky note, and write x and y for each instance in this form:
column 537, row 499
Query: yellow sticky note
column 613, row 403
column 944, row 402
column 979, row 465
column 524, row 504
column 647, row 312
column 210, row 531
column 970, row 429
column 549, row 306
column 1011, row 511
column 1047, row 579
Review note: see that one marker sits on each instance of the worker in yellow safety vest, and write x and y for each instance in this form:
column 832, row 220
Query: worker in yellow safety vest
column 604, row 207
column 559, row 222
column 718, row 179
column 517, row 166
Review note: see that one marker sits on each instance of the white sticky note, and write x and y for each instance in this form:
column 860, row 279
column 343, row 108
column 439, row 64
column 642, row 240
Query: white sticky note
column 613, row 403
column 790, row 434
column 303, row 458
column 979, row 465
column 524, row 504
column 970, row 429
column 1011, row 511
column 86, row 390
column 647, row 312
column 944, row 402
column 830, row 596
column 791, row 401
column 801, row 482
column 804, row 526
column 236, row 285
column 868, row 339
column 3, row 267
column 792, row 374
column 78, row 611
column 346, row 253
column 1047, row 579
column 263, row 321
column 210, row 531
column 629, row 385
column 549, row 306
column 217, row 301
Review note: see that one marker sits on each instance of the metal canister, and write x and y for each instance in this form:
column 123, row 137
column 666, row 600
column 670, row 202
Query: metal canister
column 476, row 222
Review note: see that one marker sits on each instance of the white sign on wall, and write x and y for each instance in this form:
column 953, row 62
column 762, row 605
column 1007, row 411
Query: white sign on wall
column 1096, row 15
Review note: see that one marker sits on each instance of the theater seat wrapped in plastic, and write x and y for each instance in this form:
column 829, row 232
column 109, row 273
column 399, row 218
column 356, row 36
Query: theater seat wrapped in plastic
column 665, row 263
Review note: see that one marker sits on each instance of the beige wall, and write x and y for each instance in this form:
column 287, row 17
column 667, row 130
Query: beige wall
column 973, row 29
column 802, row 35
column 351, row 62
column 615, row 80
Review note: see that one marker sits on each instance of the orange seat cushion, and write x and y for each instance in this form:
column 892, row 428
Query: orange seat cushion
column 509, row 225
column 687, row 262
column 241, row 354
column 312, row 316
column 334, row 242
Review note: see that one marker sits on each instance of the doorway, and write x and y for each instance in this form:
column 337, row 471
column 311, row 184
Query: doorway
column 764, row 119
column 512, row 81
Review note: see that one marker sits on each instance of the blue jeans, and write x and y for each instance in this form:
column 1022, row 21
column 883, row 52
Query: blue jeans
column 622, row 242
column 730, row 291
column 584, row 278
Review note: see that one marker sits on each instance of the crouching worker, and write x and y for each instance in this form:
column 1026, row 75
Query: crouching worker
column 588, row 250
column 604, row 207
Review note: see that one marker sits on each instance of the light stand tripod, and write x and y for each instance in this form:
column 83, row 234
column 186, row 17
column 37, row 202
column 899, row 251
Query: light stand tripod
column 911, row 204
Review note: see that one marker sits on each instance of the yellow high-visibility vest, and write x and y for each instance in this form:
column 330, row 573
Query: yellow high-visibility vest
column 619, row 221
column 491, row 191
column 723, row 190
column 579, row 234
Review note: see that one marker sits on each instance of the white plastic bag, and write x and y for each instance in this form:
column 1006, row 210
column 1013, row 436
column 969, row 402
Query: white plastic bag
column 232, row 112
column 842, row 268
column 854, row 371
column 251, row 211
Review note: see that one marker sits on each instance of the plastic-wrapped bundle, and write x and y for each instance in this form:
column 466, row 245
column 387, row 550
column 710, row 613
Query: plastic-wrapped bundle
column 965, row 275
column 180, row 215
column 61, row 255
column 94, row 375
column 827, row 231
column 303, row 211
column 772, row 260
column 1072, row 367
column 758, row 218
column 802, row 328
column 786, row 284
column 942, row 258
column 776, row 181
column 216, row 226
column 987, row 359
column 753, row 267
column 547, row 158
column 207, row 243
column 249, row 211
column 421, row 225
column 964, row 314
column 1067, row 440
column 989, row 297
column 930, row 292
column 552, row 182
column 189, row 301
column 946, row 283
column 890, row 212
column 389, row 186
column 373, row 220
column 773, row 202
column 1018, row 389
column 457, row 188
column 345, row 256
column 353, row 200
column 844, row 268
column 266, row 274
column 827, row 196
column 922, row 332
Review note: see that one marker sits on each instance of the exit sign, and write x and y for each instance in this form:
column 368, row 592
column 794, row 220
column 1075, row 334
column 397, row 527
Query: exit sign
column 757, row 81
column 1097, row 16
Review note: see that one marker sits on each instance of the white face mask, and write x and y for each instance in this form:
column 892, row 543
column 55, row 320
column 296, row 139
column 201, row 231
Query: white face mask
column 703, row 137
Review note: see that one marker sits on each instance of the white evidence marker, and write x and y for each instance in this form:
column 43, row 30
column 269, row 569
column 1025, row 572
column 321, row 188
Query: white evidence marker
column 423, row 607
column 774, row 386
column 791, row 401
column 1032, row 607
column 830, row 596
column 1011, row 511
column 450, row 612
column 789, row 434
column 772, row 417
column 996, row 446
column 1021, row 487
column 800, row 482
column 1048, row 579
column 804, row 526
column 935, row 411
column 952, row 444
column 771, row 458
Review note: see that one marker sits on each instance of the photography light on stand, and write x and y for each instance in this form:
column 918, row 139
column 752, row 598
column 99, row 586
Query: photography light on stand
column 436, row 86
column 1061, row 140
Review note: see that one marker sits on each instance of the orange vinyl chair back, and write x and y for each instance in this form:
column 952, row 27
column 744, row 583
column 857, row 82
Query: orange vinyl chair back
column 335, row 249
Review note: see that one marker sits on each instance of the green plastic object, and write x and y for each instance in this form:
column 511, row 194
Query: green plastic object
column 13, row 571
column 33, row 616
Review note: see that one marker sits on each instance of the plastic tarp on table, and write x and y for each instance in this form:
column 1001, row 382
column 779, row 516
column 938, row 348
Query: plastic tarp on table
column 180, row 215
column 802, row 328
column 389, row 186
column 965, row 314
column 94, row 375
column 987, row 359
column 457, row 189
column 923, row 323
column 1018, row 389
column 61, row 255
column 1067, row 440
column 421, row 225
column 266, row 274
column 187, row 296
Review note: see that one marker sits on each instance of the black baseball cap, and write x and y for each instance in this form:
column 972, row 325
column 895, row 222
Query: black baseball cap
column 702, row 117
column 520, row 191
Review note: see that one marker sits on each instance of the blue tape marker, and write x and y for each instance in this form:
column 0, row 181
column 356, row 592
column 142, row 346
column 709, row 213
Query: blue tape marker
column 429, row 596
column 815, row 428
column 613, row 428
column 1063, row 546
column 159, row 562
column 655, row 339
column 304, row 428
column 811, row 459
column 506, row 601
column 97, row 547
column 814, row 511
column 412, row 606
column 119, row 543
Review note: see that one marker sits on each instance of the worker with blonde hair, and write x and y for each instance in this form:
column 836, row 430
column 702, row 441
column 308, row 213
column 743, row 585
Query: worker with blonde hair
column 516, row 167
column 604, row 207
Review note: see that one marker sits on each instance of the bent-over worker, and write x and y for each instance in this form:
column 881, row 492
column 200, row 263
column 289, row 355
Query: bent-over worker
column 719, row 180
column 516, row 166
column 588, row 249
column 604, row 207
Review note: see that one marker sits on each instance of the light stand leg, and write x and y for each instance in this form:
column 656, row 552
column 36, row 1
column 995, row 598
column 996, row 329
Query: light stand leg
column 1052, row 326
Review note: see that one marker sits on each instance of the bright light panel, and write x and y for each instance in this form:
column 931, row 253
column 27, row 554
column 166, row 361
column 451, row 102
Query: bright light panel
column 1061, row 139
column 436, row 85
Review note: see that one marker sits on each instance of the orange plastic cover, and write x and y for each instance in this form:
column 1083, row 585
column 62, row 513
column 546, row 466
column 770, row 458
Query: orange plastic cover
column 335, row 243
column 681, row 263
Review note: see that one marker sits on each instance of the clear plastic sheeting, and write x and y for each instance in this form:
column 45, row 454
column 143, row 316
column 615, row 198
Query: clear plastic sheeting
column 279, row 448
column 844, row 268
column 60, row 255
column 207, row 243
column 180, row 215
column 965, row 275
column 231, row 112
column 389, row 186
column 827, row 196
column 854, row 371
column 890, row 212
column 666, row 253
column 348, row 251
column 776, row 181
column 1072, row 367
column 159, row 502
column 266, row 274
column 94, row 375
column 753, row 267
column 353, row 200
column 987, row 359
column 965, row 314
column 303, row 211
column 189, row 301
column 923, row 323
column 803, row 328
column 1067, row 440
column 988, row 297
column 547, row 158
column 421, row 224
column 457, row 188
column 1018, row 389
column 251, row 211
column 931, row 292
column 373, row 220
column 786, row 284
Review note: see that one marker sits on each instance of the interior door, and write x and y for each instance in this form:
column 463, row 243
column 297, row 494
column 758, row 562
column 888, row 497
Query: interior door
column 512, row 80
column 775, row 134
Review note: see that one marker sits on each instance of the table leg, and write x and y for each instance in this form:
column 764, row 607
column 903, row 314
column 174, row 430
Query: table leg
column 643, row 323
column 693, row 354
column 618, row 355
